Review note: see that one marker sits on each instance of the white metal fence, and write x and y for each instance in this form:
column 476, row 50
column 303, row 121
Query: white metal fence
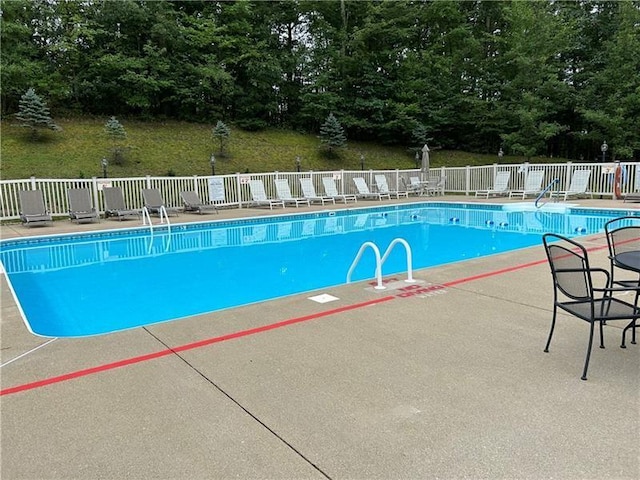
column 459, row 180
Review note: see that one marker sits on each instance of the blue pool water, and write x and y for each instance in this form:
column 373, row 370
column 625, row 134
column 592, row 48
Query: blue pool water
column 88, row 284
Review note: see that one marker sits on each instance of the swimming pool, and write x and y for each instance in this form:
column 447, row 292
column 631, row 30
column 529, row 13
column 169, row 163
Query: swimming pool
column 88, row 284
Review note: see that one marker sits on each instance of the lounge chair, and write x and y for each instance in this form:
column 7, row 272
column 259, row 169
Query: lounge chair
column 532, row 185
column 284, row 193
column 192, row 203
column 309, row 192
column 80, row 208
column 259, row 196
column 154, row 202
column 383, row 187
column 500, row 185
column 578, row 186
column 414, row 186
column 32, row 209
column 332, row 191
column 365, row 193
column 634, row 196
column 114, row 204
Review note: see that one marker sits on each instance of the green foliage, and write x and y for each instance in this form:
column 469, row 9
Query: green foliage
column 332, row 134
column 221, row 133
column 34, row 114
column 117, row 134
column 552, row 78
column 185, row 149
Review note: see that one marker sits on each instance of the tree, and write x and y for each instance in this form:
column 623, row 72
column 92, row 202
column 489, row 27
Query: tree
column 332, row 134
column 221, row 134
column 34, row 114
column 117, row 134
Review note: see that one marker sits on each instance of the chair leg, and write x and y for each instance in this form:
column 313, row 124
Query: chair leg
column 631, row 326
column 586, row 361
column 553, row 324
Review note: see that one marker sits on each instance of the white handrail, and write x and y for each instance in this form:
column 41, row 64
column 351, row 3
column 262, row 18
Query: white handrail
column 145, row 216
column 376, row 252
column 380, row 260
column 407, row 248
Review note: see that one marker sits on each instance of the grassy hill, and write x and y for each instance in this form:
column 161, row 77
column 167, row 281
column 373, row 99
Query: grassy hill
column 177, row 148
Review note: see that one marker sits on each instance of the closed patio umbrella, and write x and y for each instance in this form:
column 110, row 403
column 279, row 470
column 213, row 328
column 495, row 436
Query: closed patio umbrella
column 425, row 161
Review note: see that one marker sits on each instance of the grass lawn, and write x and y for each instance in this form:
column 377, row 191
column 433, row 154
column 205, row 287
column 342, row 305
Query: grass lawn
column 178, row 148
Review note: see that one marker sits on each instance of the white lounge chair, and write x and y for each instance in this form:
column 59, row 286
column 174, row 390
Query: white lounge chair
column 32, row 209
column 500, row 185
column 114, row 204
column 634, row 195
column 284, row 193
column 383, row 187
column 259, row 196
column 309, row 192
column 81, row 209
column 365, row 193
column 578, row 186
column 532, row 185
column 331, row 190
column 192, row 203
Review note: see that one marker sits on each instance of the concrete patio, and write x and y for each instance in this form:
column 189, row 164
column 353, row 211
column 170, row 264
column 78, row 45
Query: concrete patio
column 447, row 383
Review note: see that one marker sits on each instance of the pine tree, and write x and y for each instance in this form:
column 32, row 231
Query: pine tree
column 34, row 114
column 221, row 133
column 117, row 134
column 332, row 134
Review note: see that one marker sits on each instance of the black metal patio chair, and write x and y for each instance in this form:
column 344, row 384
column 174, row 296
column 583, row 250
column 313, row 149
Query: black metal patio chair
column 574, row 291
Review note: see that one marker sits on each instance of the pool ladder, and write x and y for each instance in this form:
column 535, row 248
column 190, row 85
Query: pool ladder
column 381, row 259
column 163, row 215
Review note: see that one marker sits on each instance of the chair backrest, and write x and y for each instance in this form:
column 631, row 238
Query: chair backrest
column 282, row 189
column 191, row 198
column 258, row 193
column 113, row 198
column 32, row 202
column 623, row 235
column 330, row 186
column 308, row 190
column 580, row 181
column 381, row 183
column 152, row 197
column 501, row 182
column 414, row 181
column 79, row 200
column 361, row 185
column 533, row 182
column 569, row 266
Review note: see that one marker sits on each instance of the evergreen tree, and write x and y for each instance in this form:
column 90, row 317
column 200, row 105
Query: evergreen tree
column 117, row 134
column 34, row 113
column 221, row 134
column 332, row 134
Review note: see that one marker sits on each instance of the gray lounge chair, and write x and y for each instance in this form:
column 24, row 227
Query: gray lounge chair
column 154, row 202
column 192, row 203
column 81, row 209
column 32, row 209
column 114, row 204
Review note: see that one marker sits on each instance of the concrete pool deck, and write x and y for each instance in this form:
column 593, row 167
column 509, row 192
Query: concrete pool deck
column 447, row 383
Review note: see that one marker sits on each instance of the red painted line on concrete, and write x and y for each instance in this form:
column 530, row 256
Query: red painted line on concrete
column 252, row 331
column 494, row 273
column 189, row 346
